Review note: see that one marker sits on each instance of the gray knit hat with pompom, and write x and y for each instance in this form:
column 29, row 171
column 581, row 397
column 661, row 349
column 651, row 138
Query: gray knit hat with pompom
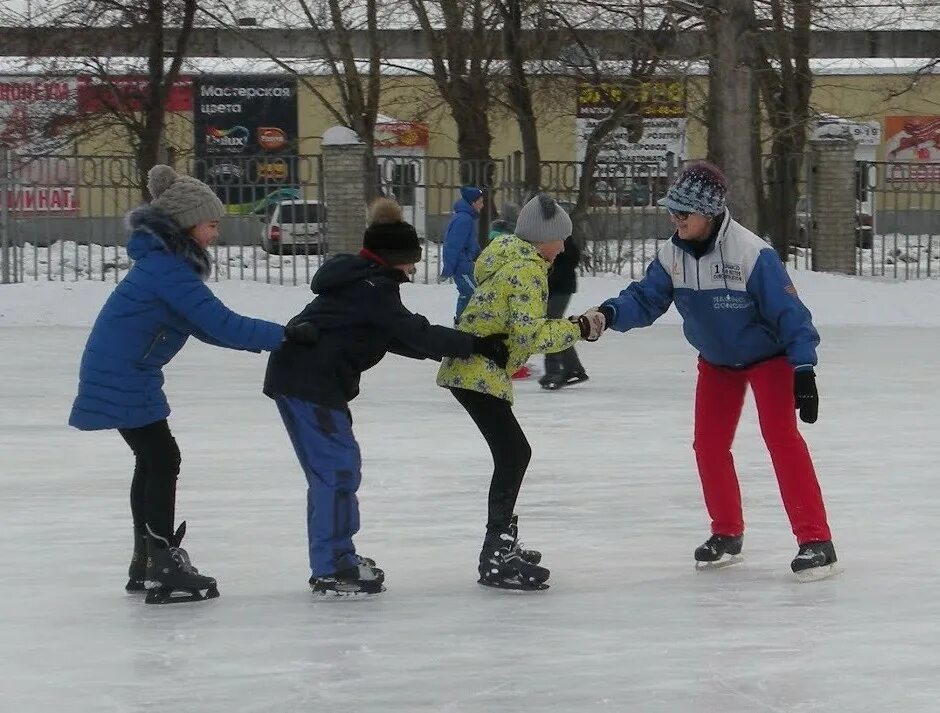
column 187, row 200
column 542, row 220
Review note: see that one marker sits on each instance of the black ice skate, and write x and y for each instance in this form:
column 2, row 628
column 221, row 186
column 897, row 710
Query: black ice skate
column 503, row 566
column 137, row 572
column 362, row 581
column 719, row 551
column 171, row 577
column 558, row 379
column 815, row 561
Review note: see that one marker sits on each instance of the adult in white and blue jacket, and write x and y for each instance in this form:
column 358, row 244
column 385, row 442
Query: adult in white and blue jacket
column 741, row 312
column 160, row 303
column 462, row 244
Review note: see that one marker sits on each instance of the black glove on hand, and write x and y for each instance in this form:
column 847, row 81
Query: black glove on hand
column 303, row 333
column 806, row 395
column 493, row 348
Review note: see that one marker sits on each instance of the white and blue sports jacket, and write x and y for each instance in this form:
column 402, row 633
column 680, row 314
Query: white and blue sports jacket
column 737, row 302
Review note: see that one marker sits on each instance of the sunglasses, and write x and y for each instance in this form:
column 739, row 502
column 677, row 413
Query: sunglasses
column 679, row 214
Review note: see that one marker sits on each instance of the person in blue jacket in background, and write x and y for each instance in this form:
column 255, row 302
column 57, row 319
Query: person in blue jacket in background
column 462, row 244
column 742, row 313
column 160, row 303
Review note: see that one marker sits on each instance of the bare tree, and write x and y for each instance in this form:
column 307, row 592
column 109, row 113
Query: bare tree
column 137, row 107
column 461, row 62
column 785, row 81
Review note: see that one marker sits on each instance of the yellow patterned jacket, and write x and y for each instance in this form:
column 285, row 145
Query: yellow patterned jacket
column 511, row 295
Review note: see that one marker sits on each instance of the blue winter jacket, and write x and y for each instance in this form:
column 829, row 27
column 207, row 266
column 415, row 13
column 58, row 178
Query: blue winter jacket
column 147, row 319
column 461, row 246
column 737, row 302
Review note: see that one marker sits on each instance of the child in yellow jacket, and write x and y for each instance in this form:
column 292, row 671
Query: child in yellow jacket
column 511, row 295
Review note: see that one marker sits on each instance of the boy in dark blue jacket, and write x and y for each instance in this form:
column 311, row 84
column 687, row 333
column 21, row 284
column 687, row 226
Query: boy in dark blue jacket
column 160, row 303
column 359, row 316
column 741, row 312
column 462, row 244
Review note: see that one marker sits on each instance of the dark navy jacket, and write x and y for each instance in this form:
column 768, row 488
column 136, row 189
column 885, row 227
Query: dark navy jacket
column 158, row 305
column 737, row 302
column 359, row 312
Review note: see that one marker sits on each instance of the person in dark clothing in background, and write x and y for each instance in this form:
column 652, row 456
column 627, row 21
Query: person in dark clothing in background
column 563, row 368
column 359, row 315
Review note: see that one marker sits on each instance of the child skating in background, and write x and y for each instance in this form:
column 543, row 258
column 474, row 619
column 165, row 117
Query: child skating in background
column 360, row 317
column 511, row 294
column 160, row 303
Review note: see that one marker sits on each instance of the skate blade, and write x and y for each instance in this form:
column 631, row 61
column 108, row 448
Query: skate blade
column 337, row 596
column 134, row 586
column 817, row 574
column 725, row 561
column 513, row 587
column 167, row 595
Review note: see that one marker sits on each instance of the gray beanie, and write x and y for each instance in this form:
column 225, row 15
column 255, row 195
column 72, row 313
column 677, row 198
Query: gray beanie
column 542, row 220
column 187, row 200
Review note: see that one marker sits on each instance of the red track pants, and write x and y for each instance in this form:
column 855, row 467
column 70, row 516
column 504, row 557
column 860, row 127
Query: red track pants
column 719, row 398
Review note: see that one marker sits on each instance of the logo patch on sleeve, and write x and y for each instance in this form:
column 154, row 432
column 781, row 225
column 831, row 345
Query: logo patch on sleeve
column 790, row 290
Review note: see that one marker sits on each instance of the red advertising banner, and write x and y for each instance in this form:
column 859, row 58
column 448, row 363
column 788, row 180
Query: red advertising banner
column 36, row 115
column 125, row 94
column 401, row 134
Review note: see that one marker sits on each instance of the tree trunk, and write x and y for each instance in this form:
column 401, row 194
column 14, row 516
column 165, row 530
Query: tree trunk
column 731, row 106
column 520, row 97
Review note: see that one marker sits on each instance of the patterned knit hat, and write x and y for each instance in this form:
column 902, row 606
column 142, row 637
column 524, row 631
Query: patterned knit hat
column 186, row 200
column 388, row 236
column 700, row 187
column 542, row 220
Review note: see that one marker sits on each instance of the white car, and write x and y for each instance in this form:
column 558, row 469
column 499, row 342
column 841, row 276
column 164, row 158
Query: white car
column 293, row 224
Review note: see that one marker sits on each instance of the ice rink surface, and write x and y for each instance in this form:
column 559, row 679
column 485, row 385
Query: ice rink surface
column 612, row 500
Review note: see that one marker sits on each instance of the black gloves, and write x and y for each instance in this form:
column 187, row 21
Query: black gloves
column 806, row 395
column 493, row 348
column 303, row 333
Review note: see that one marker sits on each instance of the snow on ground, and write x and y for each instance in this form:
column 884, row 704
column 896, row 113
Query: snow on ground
column 611, row 499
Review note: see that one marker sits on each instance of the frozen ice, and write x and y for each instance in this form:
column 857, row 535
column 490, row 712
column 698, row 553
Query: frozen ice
column 611, row 498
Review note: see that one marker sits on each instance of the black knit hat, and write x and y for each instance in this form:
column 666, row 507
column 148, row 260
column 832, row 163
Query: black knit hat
column 388, row 236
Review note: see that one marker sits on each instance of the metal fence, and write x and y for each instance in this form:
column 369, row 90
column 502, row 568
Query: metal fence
column 62, row 217
column 896, row 224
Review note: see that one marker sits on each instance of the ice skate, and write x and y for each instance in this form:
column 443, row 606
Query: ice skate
column 502, row 565
column 719, row 551
column 171, row 577
column 556, row 380
column 363, row 581
column 815, row 561
column 137, row 571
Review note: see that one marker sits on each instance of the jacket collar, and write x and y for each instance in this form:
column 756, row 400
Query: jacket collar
column 155, row 231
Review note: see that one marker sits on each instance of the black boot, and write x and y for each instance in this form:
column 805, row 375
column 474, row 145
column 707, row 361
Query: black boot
column 364, row 579
column 719, row 549
column 502, row 565
column 137, row 571
column 815, row 560
column 171, row 577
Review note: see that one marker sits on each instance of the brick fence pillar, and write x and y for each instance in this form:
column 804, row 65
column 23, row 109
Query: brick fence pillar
column 344, row 189
column 833, row 204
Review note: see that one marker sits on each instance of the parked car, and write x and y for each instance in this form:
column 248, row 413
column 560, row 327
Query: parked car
column 294, row 224
column 864, row 225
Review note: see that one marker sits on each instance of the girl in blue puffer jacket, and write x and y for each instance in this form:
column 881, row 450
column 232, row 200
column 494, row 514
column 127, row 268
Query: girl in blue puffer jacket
column 159, row 304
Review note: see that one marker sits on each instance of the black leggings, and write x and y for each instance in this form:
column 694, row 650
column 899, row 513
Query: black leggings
column 153, row 489
column 510, row 449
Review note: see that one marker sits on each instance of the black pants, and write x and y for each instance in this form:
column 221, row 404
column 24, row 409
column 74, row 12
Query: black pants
column 567, row 361
column 153, row 489
column 510, row 449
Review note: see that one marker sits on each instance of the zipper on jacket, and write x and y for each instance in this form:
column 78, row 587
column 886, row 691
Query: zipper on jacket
column 161, row 337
